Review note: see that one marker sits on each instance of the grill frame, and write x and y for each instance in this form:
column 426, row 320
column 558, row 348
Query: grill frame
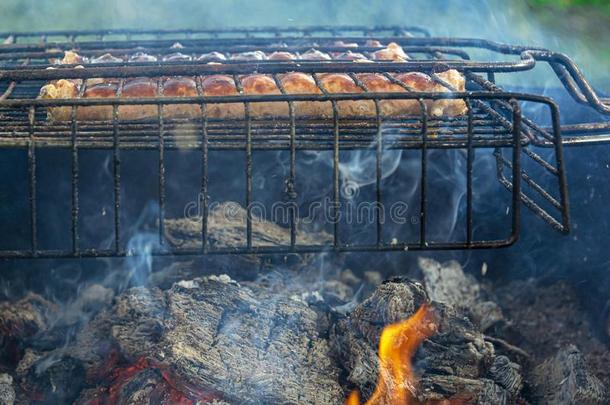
column 523, row 132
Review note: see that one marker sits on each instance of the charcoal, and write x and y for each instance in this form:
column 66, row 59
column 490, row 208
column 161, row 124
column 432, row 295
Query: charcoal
column 55, row 379
column 565, row 378
column 545, row 317
column 40, row 324
column 26, row 317
column 458, row 362
column 7, row 391
column 448, row 284
column 469, row 391
column 146, row 386
column 29, row 358
column 247, row 344
column 506, row 374
column 227, row 228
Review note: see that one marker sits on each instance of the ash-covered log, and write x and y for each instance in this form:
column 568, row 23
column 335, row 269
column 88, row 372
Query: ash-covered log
column 457, row 362
column 251, row 346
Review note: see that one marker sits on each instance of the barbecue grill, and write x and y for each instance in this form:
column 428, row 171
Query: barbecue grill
column 527, row 149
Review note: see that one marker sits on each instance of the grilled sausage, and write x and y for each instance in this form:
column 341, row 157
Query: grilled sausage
column 221, row 85
column 258, row 84
column 303, row 83
column 264, row 85
column 336, row 83
column 180, row 87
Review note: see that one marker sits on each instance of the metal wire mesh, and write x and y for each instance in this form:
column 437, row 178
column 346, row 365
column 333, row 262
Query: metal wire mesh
column 493, row 124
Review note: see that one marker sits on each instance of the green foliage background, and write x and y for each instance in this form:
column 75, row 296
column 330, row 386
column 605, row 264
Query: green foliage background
column 603, row 5
column 580, row 28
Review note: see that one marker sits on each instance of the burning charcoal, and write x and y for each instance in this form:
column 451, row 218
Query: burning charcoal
column 565, row 378
column 243, row 343
column 54, row 380
column 7, row 392
column 137, row 320
column 456, row 361
column 145, row 383
column 447, row 283
column 137, row 384
column 36, row 322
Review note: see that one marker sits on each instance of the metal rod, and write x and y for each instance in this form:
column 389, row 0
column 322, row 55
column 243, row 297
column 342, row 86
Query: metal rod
column 336, row 190
column 248, row 150
column 32, row 191
column 116, row 167
column 379, row 174
column 291, row 182
column 516, row 208
column 469, row 164
column 397, row 247
column 203, row 198
column 161, row 169
column 423, row 217
column 563, row 182
column 75, row 171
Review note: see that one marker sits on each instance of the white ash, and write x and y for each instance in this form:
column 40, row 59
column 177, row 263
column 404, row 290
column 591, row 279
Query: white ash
column 187, row 283
column 223, row 278
column 7, row 391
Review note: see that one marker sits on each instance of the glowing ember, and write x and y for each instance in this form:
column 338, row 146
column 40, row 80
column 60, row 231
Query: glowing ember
column 167, row 391
column 397, row 345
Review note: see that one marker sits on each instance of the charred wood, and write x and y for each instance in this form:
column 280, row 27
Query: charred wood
column 213, row 338
column 448, row 284
column 565, row 378
column 458, row 362
column 227, row 228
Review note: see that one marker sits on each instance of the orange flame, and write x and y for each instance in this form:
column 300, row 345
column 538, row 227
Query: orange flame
column 397, row 345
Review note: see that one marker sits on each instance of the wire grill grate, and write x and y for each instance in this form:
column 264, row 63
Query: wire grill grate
column 494, row 125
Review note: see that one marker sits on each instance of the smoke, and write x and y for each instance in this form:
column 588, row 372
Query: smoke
column 510, row 22
column 360, row 166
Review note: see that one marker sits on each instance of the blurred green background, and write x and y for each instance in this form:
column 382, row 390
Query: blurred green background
column 580, row 28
